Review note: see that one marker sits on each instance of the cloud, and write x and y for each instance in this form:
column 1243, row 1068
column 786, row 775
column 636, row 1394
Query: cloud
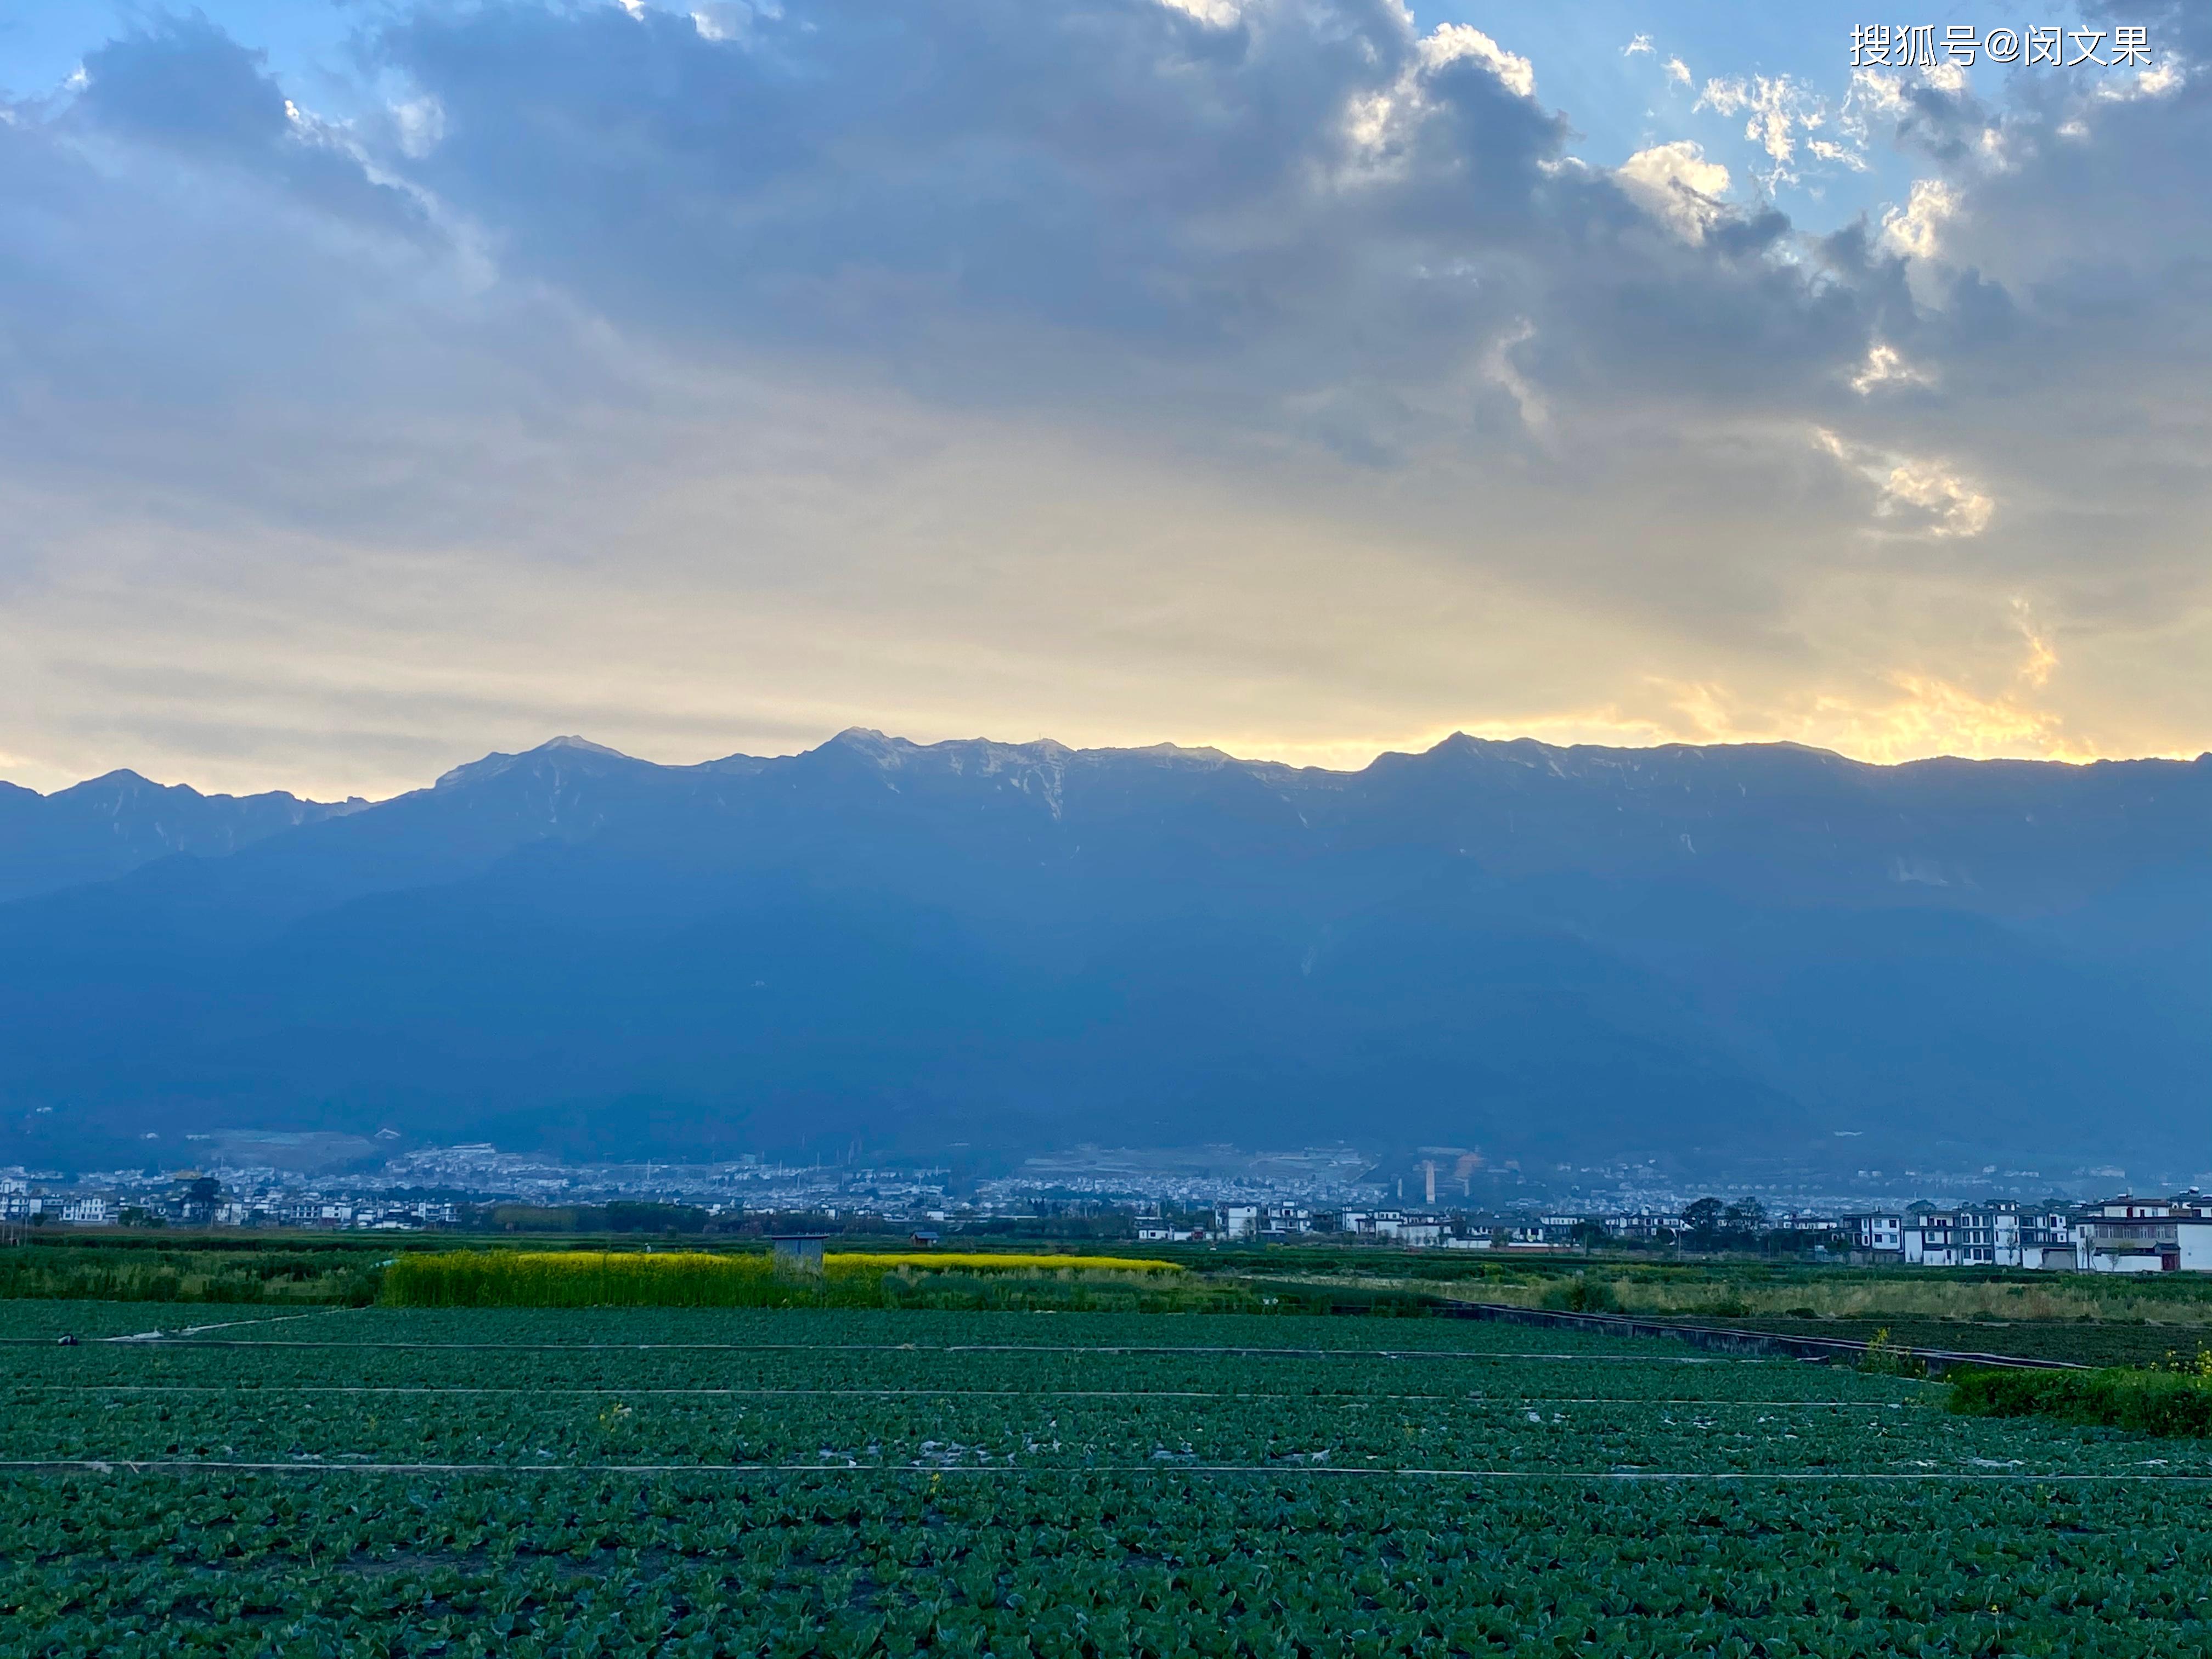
column 1953, row 507
column 1914, row 229
column 1675, row 68
column 1449, row 42
column 1885, row 367
column 1928, row 715
column 420, row 125
column 1780, row 109
column 1676, row 184
column 183, row 88
column 1190, row 188
column 1277, row 373
column 184, row 84
column 1931, row 495
column 1499, row 366
column 1905, row 715
column 2042, row 657
column 1996, row 706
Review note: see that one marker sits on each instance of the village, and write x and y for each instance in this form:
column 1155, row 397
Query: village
column 2122, row 1235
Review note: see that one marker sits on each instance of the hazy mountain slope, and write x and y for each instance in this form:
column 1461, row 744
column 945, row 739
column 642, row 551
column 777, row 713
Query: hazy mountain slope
column 113, row 824
column 1569, row 951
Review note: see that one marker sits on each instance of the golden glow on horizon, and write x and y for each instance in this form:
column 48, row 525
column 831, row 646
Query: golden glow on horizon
column 1929, row 718
column 1898, row 715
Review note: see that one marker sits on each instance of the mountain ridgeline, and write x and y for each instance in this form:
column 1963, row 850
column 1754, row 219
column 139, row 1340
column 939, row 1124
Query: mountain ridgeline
column 112, row 824
column 1701, row 953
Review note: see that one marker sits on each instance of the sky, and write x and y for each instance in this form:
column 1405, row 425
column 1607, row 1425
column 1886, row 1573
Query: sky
column 384, row 384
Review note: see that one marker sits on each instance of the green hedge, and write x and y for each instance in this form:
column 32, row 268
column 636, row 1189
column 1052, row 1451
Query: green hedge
column 2148, row 1403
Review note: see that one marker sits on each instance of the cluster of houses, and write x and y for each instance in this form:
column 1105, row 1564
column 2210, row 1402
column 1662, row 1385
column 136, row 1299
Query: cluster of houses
column 198, row 1202
column 71, row 1209
column 387, row 1214
column 2124, row 1234
column 1267, row 1223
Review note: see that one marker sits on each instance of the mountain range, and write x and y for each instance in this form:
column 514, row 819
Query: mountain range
column 1695, row 954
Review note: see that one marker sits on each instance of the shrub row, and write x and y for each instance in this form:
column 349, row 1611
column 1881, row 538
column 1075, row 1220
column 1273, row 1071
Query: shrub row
column 2148, row 1402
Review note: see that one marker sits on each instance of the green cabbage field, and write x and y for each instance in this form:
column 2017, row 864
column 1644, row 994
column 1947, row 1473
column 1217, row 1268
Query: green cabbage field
column 698, row 1481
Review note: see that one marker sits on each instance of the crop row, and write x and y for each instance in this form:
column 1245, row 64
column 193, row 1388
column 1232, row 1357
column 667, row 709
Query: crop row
column 512, row 1428
column 881, row 1328
column 1066, row 1566
column 1026, row 1371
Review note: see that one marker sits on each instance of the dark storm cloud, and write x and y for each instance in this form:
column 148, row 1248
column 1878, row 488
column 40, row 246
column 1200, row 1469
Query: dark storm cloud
column 1299, row 217
column 1308, row 219
column 1303, row 198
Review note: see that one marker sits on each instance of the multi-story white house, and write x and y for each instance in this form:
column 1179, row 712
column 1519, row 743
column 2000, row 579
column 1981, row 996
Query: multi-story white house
column 1261, row 1220
column 1929, row 1237
column 2131, row 1235
column 1804, row 1221
column 1882, row 1233
column 1240, row 1220
column 1972, row 1235
column 1644, row 1224
column 316, row 1213
column 1408, row 1230
column 1421, row 1232
column 1989, row 1235
column 2046, row 1239
column 2122, row 1235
